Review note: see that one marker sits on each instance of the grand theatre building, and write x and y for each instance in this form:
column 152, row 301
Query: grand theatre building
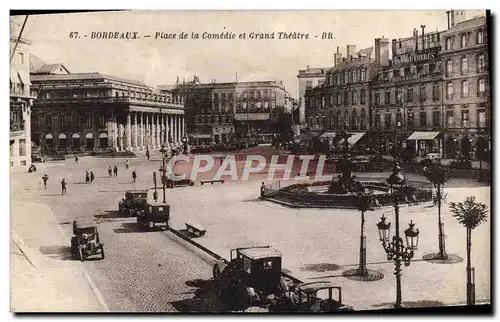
column 85, row 112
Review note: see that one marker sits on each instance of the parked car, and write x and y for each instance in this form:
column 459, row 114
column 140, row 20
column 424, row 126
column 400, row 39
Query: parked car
column 134, row 200
column 155, row 214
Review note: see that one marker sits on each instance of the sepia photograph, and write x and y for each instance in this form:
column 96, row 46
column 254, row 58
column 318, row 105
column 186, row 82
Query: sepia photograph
column 272, row 161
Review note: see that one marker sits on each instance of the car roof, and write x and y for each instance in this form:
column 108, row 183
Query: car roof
column 260, row 252
column 137, row 191
column 315, row 286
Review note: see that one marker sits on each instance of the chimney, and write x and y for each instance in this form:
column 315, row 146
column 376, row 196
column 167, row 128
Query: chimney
column 337, row 57
column 457, row 16
column 423, row 36
column 416, row 39
column 448, row 14
column 350, row 51
column 382, row 51
column 308, row 67
column 394, row 47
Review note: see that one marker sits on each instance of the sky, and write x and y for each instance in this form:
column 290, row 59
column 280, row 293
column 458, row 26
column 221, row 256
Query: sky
column 161, row 61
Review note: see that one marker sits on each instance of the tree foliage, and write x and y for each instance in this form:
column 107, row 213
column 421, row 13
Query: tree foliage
column 437, row 174
column 470, row 213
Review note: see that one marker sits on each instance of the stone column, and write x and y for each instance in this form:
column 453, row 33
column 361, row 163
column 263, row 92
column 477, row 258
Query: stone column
column 179, row 134
column 147, row 136
column 158, row 131
column 128, row 146
column 165, row 121
column 114, row 132
column 141, row 133
column 176, row 128
column 136, row 135
column 184, row 126
column 155, row 130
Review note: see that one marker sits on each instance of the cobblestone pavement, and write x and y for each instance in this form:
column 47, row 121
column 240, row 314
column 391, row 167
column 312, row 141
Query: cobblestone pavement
column 316, row 244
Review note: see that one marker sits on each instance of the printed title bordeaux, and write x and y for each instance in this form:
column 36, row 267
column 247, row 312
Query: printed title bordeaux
column 225, row 35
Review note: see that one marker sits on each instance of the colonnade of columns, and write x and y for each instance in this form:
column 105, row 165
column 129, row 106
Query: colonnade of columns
column 145, row 130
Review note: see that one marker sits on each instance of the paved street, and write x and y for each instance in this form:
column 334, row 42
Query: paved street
column 155, row 271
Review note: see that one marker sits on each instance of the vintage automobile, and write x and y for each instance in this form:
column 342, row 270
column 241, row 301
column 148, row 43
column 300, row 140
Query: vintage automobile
column 311, row 297
column 134, row 200
column 169, row 183
column 251, row 275
column 85, row 242
column 154, row 214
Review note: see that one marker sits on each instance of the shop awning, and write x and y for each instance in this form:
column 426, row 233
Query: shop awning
column 103, row 136
column 48, row 136
column 89, row 136
column 75, row 136
column 62, row 136
column 327, row 135
column 354, row 138
column 14, row 76
column 24, row 77
column 423, row 136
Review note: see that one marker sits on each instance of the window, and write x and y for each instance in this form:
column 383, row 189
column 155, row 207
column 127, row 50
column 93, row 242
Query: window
column 363, row 120
column 480, row 63
column 346, row 97
column 390, row 74
column 438, row 67
column 410, row 123
column 399, row 120
column 449, row 67
column 387, row 121
column 362, row 96
column 480, row 37
column 423, row 119
column 399, row 95
column 353, row 76
column 216, row 97
column 481, row 87
column 423, row 96
column 338, row 99
column 448, row 43
column 463, row 65
column 257, row 95
column 465, row 88
column 413, row 70
column 409, row 94
column 363, row 74
column 274, row 94
column 346, row 77
column 251, row 95
column 61, row 121
column 353, row 99
column 377, row 98
column 449, row 90
column 230, row 96
column 21, row 58
column 463, row 41
column 331, row 100
column 426, row 69
column 435, row 92
column 402, row 72
column 245, row 95
column 450, row 119
column 309, row 84
column 377, row 121
column 387, row 97
column 436, row 119
column 481, row 118
column 465, row 118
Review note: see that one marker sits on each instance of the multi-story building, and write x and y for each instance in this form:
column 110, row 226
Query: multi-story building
column 407, row 96
column 466, row 84
column 345, row 94
column 85, row 112
column 308, row 79
column 221, row 112
column 21, row 98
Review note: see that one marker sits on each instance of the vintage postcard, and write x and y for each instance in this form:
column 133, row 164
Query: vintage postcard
column 250, row 161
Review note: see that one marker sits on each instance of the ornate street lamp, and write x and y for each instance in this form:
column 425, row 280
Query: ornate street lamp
column 185, row 143
column 163, row 170
column 395, row 249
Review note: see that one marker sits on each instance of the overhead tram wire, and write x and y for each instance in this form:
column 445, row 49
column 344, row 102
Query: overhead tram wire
column 18, row 39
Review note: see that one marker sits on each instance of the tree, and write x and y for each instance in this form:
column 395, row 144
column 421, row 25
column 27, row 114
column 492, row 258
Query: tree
column 438, row 175
column 365, row 203
column 470, row 214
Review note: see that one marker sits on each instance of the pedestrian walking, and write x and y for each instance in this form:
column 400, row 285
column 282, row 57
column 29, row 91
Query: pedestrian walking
column 92, row 177
column 115, row 171
column 147, row 154
column 63, row 186
column 126, row 164
column 76, row 158
column 134, row 175
column 110, row 171
column 45, row 178
column 87, row 177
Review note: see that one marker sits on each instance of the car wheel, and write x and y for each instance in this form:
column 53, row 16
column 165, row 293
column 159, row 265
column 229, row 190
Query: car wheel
column 102, row 252
column 191, row 184
column 80, row 255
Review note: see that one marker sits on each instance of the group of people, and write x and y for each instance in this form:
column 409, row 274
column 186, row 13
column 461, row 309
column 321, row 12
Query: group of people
column 45, row 178
column 89, row 177
column 113, row 171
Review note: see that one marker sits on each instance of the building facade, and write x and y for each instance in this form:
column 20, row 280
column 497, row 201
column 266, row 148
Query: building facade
column 86, row 112
column 308, row 79
column 466, row 81
column 344, row 97
column 21, row 97
column 222, row 112
column 407, row 96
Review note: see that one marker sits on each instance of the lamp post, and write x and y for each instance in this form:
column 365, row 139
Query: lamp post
column 155, row 194
column 164, row 171
column 396, row 251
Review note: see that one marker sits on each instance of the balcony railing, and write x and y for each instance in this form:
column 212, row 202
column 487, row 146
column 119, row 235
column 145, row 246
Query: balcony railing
column 118, row 99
